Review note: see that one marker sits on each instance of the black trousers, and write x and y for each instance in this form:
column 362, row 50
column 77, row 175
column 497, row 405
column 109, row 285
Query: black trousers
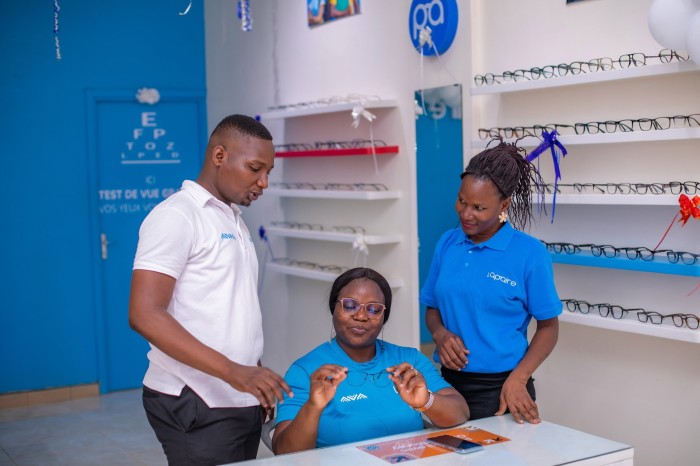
column 482, row 391
column 194, row 434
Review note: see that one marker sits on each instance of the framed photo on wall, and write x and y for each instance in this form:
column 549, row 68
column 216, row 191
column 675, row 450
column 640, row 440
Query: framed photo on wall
column 326, row 11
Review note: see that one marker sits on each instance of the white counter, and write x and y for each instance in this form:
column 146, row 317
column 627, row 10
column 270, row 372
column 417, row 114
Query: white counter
column 530, row 444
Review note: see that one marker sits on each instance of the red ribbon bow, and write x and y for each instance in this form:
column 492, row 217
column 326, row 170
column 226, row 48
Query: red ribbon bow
column 689, row 208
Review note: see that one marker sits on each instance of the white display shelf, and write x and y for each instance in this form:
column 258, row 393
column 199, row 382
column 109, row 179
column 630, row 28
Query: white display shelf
column 325, row 109
column 586, row 78
column 318, row 275
column 605, row 138
column 630, row 324
column 340, row 237
column 613, row 199
column 334, row 194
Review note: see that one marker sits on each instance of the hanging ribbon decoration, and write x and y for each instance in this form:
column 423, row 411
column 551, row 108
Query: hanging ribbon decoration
column 425, row 37
column 56, row 9
column 244, row 15
column 358, row 111
column 359, row 245
column 558, row 150
column 688, row 208
column 187, row 10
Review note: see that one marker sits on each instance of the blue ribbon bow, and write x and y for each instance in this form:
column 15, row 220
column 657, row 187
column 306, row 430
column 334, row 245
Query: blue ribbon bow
column 558, row 150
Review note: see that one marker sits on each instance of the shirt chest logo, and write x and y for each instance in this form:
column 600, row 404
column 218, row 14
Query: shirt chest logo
column 226, row 236
column 355, row 397
column 500, row 278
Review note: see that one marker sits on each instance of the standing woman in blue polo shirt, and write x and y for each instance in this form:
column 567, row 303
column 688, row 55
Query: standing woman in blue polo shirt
column 486, row 282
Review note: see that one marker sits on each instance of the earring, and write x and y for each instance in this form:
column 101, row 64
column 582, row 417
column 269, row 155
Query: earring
column 503, row 216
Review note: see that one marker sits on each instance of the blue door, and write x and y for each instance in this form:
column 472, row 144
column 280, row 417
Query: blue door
column 141, row 154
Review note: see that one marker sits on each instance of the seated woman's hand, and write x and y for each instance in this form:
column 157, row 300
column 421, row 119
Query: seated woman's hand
column 324, row 382
column 410, row 384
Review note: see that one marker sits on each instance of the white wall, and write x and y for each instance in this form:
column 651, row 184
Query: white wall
column 635, row 389
column 282, row 61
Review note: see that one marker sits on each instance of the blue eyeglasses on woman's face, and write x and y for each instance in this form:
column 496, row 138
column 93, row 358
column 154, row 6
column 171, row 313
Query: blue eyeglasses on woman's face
column 351, row 306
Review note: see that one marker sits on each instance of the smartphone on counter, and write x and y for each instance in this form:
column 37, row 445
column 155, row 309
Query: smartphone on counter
column 456, row 444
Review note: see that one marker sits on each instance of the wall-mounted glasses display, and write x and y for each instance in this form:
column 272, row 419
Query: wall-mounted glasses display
column 594, row 127
column 594, row 65
column 690, row 321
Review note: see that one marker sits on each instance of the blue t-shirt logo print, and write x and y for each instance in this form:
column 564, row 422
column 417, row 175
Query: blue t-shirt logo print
column 228, row 236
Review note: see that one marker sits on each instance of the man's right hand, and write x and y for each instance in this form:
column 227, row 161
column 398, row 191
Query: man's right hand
column 261, row 382
column 451, row 350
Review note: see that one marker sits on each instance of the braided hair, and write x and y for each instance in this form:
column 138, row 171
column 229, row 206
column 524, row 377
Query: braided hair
column 512, row 174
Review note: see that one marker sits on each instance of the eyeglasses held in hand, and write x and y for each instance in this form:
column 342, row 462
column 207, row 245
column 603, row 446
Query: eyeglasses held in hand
column 352, row 306
column 358, row 378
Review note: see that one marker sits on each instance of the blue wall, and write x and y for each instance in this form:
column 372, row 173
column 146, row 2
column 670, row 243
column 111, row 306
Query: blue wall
column 47, row 312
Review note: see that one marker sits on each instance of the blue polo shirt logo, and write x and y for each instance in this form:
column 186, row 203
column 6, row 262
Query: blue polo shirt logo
column 228, row 236
column 500, row 278
column 355, row 397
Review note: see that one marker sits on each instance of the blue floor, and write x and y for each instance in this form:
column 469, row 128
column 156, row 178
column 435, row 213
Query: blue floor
column 109, row 430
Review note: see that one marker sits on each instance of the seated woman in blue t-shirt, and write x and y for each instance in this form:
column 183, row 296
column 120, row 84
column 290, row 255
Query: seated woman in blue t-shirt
column 357, row 387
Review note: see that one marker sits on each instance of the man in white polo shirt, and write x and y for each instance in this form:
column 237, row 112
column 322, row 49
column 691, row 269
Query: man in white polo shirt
column 194, row 298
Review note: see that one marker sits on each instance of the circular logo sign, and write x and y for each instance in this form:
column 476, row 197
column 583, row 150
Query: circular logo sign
column 432, row 25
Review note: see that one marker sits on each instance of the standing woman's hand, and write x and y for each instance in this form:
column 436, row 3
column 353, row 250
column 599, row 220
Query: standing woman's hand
column 324, row 382
column 517, row 400
column 409, row 384
column 451, row 349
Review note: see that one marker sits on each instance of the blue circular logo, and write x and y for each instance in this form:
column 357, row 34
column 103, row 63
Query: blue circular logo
column 432, row 25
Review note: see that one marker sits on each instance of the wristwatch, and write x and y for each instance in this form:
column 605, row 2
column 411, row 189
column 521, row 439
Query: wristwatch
column 428, row 404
